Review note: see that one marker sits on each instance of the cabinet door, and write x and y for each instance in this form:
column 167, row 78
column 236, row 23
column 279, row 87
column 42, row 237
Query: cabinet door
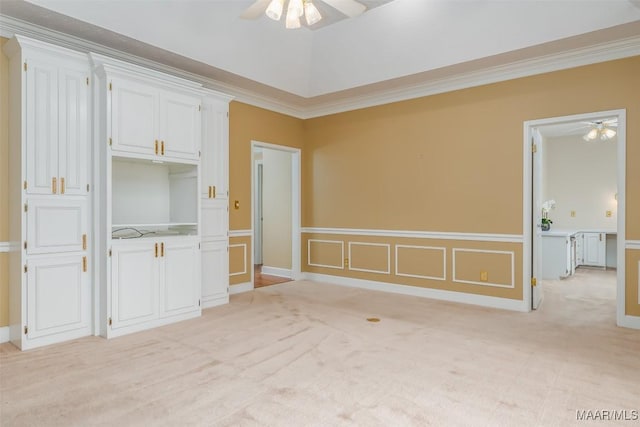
column 215, row 148
column 215, row 270
column 73, row 131
column 595, row 245
column 214, row 219
column 579, row 249
column 58, row 295
column 56, row 225
column 179, row 277
column 134, row 283
column 134, row 115
column 180, row 125
column 41, row 126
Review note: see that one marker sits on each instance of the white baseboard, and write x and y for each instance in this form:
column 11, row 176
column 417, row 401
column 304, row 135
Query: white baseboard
column 240, row 288
column 276, row 271
column 632, row 322
column 482, row 300
column 4, row 334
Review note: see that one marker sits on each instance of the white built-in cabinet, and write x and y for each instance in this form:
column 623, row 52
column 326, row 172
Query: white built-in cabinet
column 112, row 229
column 154, row 129
column 595, row 249
column 215, row 200
column 146, row 119
column 49, row 205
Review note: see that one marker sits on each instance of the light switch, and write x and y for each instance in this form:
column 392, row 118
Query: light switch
column 484, row 276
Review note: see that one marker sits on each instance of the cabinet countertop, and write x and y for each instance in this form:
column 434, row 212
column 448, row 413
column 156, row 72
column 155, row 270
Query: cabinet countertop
column 569, row 233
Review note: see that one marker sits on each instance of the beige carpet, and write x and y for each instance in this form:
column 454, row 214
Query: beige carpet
column 303, row 354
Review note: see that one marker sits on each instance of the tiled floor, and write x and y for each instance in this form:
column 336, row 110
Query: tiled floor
column 261, row 280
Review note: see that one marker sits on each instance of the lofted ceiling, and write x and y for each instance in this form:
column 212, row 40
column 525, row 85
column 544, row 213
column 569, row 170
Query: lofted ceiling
column 394, row 48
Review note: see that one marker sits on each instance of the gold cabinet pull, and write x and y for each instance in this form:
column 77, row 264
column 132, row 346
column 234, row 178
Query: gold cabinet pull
column 209, row 191
column 54, row 185
column 162, row 148
column 84, row 264
column 156, row 146
column 62, row 185
column 162, row 249
column 213, row 192
column 156, row 250
column 84, row 242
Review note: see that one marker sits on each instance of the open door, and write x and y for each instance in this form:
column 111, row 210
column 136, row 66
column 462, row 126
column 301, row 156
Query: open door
column 536, row 225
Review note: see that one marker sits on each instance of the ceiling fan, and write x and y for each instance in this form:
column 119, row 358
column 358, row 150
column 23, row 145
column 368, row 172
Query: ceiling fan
column 297, row 9
column 601, row 129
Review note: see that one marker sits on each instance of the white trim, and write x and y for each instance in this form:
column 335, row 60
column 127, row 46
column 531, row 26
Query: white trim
column 481, row 237
column 5, row 247
column 240, row 288
column 632, row 322
column 296, row 202
column 460, row 297
column 240, row 233
column 444, row 262
column 632, row 244
column 638, row 272
column 277, row 271
column 4, row 334
column 340, row 267
column 473, row 282
column 528, row 129
column 388, row 246
column 244, row 245
column 555, row 62
column 559, row 61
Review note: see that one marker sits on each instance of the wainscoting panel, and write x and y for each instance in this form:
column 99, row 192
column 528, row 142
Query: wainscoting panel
column 425, row 262
column 240, row 260
column 632, row 291
column 370, row 257
column 469, row 264
column 422, row 262
column 325, row 253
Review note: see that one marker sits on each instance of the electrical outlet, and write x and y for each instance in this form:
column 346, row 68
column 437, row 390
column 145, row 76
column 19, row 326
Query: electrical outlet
column 608, row 214
column 484, row 276
column 573, row 214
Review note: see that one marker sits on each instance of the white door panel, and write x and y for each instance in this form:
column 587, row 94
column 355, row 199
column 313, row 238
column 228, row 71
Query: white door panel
column 58, row 295
column 180, row 125
column 134, row 113
column 215, row 219
column 56, row 225
column 41, row 127
column 134, row 283
column 73, row 131
column 215, row 148
column 215, row 270
column 179, row 278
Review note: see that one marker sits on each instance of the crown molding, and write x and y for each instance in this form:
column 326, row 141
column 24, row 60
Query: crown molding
column 602, row 52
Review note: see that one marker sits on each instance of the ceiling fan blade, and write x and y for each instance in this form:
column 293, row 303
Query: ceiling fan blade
column 255, row 10
column 351, row 8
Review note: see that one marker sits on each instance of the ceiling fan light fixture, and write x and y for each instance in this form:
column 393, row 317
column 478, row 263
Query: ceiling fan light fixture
column 293, row 20
column 274, row 11
column 593, row 134
column 296, row 7
column 608, row 133
column 311, row 13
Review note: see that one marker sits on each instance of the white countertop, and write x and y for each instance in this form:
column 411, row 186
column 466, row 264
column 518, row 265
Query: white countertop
column 568, row 233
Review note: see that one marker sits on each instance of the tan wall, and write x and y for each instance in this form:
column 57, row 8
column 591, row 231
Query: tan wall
column 4, row 180
column 246, row 124
column 633, row 282
column 276, row 209
column 453, row 162
column 240, row 263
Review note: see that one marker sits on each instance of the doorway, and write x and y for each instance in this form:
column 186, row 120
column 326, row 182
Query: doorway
column 275, row 189
column 587, row 222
